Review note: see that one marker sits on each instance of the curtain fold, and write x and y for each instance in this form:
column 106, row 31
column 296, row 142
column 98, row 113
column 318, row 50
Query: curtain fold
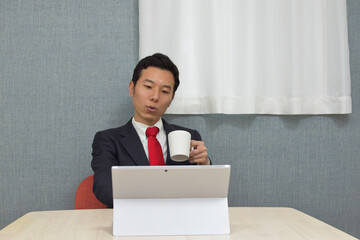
column 252, row 56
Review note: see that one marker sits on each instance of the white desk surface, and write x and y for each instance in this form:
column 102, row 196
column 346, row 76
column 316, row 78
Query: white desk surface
column 245, row 223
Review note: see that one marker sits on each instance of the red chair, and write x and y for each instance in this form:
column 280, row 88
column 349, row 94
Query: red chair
column 84, row 197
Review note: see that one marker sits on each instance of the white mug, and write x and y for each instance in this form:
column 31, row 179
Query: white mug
column 179, row 145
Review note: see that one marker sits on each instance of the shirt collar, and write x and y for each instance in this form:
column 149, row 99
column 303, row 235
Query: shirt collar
column 141, row 127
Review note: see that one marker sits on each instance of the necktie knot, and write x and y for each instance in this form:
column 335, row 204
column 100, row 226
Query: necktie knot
column 152, row 131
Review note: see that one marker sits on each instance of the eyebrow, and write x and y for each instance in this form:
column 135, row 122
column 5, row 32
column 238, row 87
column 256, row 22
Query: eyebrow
column 152, row 82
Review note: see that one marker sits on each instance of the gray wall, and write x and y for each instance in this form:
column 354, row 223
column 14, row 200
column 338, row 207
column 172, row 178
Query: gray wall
column 65, row 68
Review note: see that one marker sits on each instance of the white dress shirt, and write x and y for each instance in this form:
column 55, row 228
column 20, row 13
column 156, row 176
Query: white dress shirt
column 161, row 136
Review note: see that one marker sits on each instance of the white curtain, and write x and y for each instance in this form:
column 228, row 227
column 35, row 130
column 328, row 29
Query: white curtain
column 252, row 56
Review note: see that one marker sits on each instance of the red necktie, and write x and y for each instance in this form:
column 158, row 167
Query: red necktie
column 156, row 156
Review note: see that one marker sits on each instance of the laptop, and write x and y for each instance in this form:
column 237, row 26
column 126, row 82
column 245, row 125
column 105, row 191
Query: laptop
column 170, row 200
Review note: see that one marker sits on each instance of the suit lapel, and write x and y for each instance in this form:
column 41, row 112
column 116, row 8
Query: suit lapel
column 132, row 143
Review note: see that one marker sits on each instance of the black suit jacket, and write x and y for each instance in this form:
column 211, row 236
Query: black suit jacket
column 122, row 147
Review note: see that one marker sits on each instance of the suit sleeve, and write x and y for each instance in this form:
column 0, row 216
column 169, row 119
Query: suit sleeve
column 104, row 157
column 196, row 136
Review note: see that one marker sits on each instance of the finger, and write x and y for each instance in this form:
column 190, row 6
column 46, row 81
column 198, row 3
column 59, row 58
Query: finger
column 196, row 144
column 202, row 157
column 201, row 161
column 198, row 151
column 198, row 154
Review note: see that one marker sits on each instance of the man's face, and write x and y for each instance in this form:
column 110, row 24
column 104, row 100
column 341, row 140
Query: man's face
column 152, row 94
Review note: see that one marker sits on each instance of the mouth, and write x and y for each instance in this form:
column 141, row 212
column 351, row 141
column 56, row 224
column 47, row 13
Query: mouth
column 151, row 108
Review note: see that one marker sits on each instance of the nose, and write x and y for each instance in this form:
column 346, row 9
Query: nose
column 155, row 95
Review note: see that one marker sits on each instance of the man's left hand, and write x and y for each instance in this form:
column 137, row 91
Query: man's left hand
column 199, row 153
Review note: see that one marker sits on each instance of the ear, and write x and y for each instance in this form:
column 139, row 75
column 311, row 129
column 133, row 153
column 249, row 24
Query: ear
column 131, row 88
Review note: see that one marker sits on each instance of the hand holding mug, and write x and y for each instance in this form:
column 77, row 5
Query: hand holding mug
column 199, row 153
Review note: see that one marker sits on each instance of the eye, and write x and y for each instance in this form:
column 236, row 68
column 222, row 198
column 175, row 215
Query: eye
column 166, row 92
column 147, row 86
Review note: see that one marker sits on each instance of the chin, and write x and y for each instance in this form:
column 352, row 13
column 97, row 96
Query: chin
column 152, row 119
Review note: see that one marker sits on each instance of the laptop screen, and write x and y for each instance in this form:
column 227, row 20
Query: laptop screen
column 142, row 182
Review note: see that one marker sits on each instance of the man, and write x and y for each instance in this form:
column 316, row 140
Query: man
column 155, row 80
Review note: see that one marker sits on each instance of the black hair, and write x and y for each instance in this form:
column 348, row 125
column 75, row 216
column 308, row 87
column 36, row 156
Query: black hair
column 158, row 60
